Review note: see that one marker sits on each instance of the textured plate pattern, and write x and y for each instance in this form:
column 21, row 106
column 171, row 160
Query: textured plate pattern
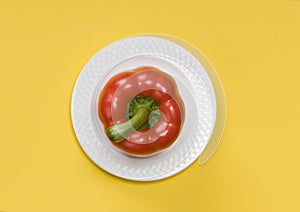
column 184, row 152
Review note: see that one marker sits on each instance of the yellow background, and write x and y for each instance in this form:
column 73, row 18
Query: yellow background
column 255, row 48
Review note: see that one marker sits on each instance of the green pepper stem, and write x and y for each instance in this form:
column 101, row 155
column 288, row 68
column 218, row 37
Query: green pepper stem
column 118, row 132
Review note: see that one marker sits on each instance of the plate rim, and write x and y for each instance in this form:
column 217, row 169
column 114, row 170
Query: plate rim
column 175, row 170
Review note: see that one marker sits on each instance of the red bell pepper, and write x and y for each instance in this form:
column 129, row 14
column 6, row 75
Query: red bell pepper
column 141, row 110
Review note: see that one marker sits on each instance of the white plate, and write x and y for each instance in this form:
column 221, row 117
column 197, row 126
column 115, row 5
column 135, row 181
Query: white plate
column 194, row 86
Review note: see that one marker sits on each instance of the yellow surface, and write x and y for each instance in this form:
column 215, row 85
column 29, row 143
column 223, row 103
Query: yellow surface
column 255, row 48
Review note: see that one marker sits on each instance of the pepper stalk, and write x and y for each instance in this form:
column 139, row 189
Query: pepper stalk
column 142, row 113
